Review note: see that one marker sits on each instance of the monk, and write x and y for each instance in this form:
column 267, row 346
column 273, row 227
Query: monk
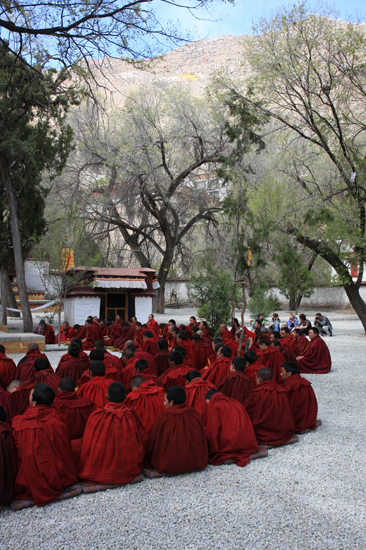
column 149, row 343
column 138, row 335
column 183, row 340
column 75, row 409
column 147, row 399
column 286, row 352
column 177, row 441
column 114, row 333
column 7, row 368
column 288, row 340
column 270, row 357
column 162, row 356
column 109, row 359
column 95, row 390
column 8, row 463
column 229, row 338
column 152, row 324
column 82, row 354
column 253, row 365
column 8, row 404
column 114, row 442
column 41, row 436
column 142, row 369
column 317, row 357
column 301, row 396
column 201, row 347
column 75, row 364
column 44, row 373
column 93, row 333
column 126, row 333
column 229, row 431
column 186, row 360
column 25, row 368
column 302, row 342
column 221, row 367
column 176, row 374
column 46, row 331
column 67, row 333
column 196, row 390
column 236, row 384
column 269, row 410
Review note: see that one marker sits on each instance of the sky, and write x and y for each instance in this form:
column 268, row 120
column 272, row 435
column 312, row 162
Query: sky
column 237, row 19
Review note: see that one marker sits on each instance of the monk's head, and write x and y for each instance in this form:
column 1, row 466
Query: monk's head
column 285, row 331
column 33, row 347
column 42, row 363
column 175, row 395
column 172, row 323
column 118, row 318
column 78, row 341
column 141, row 365
column 2, row 349
column 264, row 332
column 65, row 324
column 74, row 349
column 250, row 357
column 42, row 322
column 181, row 349
column 162, row 344
column 264, row 344
column 181, row 337
column 147, row 334
column 192, row 320
column 136, row 382
column 14, row 385
column 217, row 343
column 67, row 384
column 276, row 344
column 90, row 318
column 96, row 368
column 88, row 323
column 129, row 344
column 127, row 354
column 313, row 333
column 98, row 344
column 116, row 392
column 210, row 394
column 263, row 375
column 297, row 333
column 151, row 317
column 224, row 351
column 96, row 355
column 191, row 375
column 222, row 328
column 238, row 364
column 175, row 359
column 288, row 369
column 41, row 394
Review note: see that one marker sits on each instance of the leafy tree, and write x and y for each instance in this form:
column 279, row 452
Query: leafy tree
column 295, row 279
column 263, row 301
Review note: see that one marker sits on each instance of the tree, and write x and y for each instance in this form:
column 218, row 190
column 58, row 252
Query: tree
column 309, row 77
column 34, row 137
column 295, row 279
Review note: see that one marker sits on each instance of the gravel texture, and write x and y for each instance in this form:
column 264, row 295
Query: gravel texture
column 310, row 495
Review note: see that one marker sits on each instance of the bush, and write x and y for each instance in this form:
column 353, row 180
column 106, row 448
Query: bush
column 263, row 301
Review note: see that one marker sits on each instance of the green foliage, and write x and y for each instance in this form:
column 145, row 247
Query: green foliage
column 295, row 279
column 263, row 301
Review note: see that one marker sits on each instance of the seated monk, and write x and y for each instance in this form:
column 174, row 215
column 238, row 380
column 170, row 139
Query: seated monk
column 8, row 462
column 7, row 368
column 67, row 333
column 177, row 441
column 109, row 372
column 317, row 357
column 20, row 394
column 236, row 384
column 95, row 390
column 45, row 461
column 186, row 360
column 253, row 364
column 229, row 431
column 74, row 408
column 128, row 361
column 126, row 333
column 142, row 369
column 176, row 373
column 8, row 404
column 269, row 410
column 301, row 341
column 82, row 354
column 288, row 340
column 45, row 374
column 270, row 357
column 162, row 356
column 114, row 442
column 93, row 333
column 109, row 359
column 115, row 332
column 183, row 340
column 75, row 364
column 202, row 349
column 46, row 331
column 221, row 367
column 25, row 368
column 286, row 352
column 301, row 396
column 138, row 335
column 149, row 343
column 196, row 390
column 229, row 338
column 147, row 399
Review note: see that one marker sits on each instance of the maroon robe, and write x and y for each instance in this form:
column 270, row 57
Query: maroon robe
column 270, row 412
column 290, row 342
column 154, row 327
column 316, row 359
column 140, row 354
column 229, row 431
column 7, row 370
column 218, row 370
column 148, row 401
column 47, row 332
column 196, row 392
column 149, row 346
column 73, row 366
column 95, row 390
column 175, row 376
column 288, row 354
column 8, row 465
column 76, row 411
column 162, row 361
column 202, row 349
column 67, row 334
column 251, row 371
column 21, row 397
column 303, row 402
column 25, row 369
column 92, row 335
column 273, row 359
column 7, row 402
column 302, row 345
column 46, row 376
column 177, row 442
column 236, row 385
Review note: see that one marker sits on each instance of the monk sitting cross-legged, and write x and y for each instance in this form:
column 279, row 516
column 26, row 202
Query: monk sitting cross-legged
column 41, row 436
column 25, row 368
column 147, row 399
column 7, row 368
column 177, row 441
column 75, row 409
column 269, row 410
column 270, row 357
column 109, row 371
column 8, row 463
column 221, row 367
column 236, row 384
column 176, row 374
column 253, row 365
column 114, row 442
column 301, row 396
column 196, row 389
column 229, row 430
column 74, row 365
column 317, row 357
column 162, row 356
column 95, row 390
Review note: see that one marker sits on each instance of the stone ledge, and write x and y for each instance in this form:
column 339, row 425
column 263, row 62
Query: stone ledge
column 18, row 342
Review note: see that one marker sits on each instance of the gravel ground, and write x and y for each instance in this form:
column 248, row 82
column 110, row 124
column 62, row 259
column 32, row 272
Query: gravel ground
column 303, row 496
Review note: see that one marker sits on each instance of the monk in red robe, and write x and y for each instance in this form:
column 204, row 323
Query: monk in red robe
column 183, row 340
column 317, row 357
column 301, row 341
column 142, row 369
column 41, row 436
column 229, row 431
column 153, row 325
column 286, row 352
column 270, row 357
column 192, row 323
column 114, row 442
column 25, row 368
column 20, row 394
column 8, row 404
column 7, row 368
column 196, row 390
column 177, row 441
column 186, row 360
column 45, row 374
column 82, row 354
column 126, row 333
column 138, row 335
column 147, row 399
column 269, row 410
column 221, row 367
column 253, row 366
column 114, row 333
column 93, row 333
column 288, row 340
column 162, row 357
column 96, row 389
column 176, row 374
column 46, row 331
column 149, row 343
column 75, row 409
column 128, row 361
column 301, row 396
column 67, row 333
column 75, row 364
column 8, row 464
column 229, row 338
column 110, row 371
column 236, row 384
column 201, row 348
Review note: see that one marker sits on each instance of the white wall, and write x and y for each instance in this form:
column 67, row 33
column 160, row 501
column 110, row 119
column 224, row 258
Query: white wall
column 32, row 272
column 76, row 310
column 176, row 292
column 143, row 308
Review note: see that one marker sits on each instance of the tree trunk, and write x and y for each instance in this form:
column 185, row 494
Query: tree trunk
column 292, row 303
column 161, row 295
column 17, row 247
column 3, row 317
column 10, row 296
column 357, row 302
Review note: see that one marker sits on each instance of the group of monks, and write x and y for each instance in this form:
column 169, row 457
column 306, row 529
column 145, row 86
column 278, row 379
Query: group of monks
column 175, row 401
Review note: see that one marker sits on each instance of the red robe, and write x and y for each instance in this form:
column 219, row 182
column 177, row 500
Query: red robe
column 229, row 431
column 67, row 334
column 8, row 465
column 46, row 376
column 128, row 371
column 140, row 354
column 73, row 366
column 196, row 391
column 219, row 369
column 236, row 385
column 270, row 412
column 114, row 445
column 177, row 442
column 25, row 368
column 251, row 371
column 92, row 335
column 175, row 376
column 273, row 359
column 202, row 349
column 303, row 402
column 288, row 354
column 7, row 402
column 149, row 346
column 111, row 360
column 187, row 345
column 21, row 397
column 302, row 345
column 316, row 359
column 162, row 361
column 95, row 390
column 48, row 333
column 290, row 343
column 7, row 370
column 138, row 337
column 76, row 411
column 148, row 401
column 82, row 355
column 153, row 326
column 46, row 466
column 114, row 332
column 229, row 340
column 126, row 334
